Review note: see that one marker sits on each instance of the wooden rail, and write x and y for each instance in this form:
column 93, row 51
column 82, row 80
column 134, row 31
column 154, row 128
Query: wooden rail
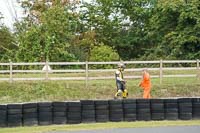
column 11, row 70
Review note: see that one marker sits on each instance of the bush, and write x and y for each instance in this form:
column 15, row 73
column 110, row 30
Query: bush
column 103, row 53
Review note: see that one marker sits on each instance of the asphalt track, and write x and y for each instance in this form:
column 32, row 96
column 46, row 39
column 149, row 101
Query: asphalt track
column 179, row 129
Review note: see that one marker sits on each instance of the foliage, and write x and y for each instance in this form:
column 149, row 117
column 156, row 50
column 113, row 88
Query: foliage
column 119, row 24
column 49, row 39
column 82, row 44
column 7, row 43
column 66, row 30
column 175, row 28
column 103, row 53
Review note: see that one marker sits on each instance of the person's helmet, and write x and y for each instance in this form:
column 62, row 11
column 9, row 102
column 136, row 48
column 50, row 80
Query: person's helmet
column 121, row 65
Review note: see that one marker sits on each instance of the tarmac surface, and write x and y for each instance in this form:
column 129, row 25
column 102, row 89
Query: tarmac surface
column 172, row 129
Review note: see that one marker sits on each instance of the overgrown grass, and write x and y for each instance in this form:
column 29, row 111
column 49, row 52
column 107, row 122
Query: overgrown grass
column 96, row 126
column 30, row 91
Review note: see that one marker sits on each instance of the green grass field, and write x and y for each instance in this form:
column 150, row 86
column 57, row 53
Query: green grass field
column 31, row 91
column 96, row 126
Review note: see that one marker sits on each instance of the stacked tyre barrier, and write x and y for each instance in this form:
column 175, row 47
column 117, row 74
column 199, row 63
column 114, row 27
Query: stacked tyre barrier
column 30, row 114
column 14, row 116
column 116, row 110
column 143, row 110
column 171, row 109
column 45, row 113
column 59, row 112
column 129, row 107
column 74, row 112
column 196, row 108
column 90, row 111
column 185, row 108
column 102, row 111
column 157, row 109
column 3, row 115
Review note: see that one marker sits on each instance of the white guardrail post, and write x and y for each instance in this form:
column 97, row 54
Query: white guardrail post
column 86, row 74
column 47, row 70
column 11, row 71
column 198, row 70
column 161, row 71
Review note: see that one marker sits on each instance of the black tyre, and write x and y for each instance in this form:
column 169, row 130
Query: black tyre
column 101, row 102
column 30, row 110
column 45, row 109
column 142, row 101
column 14, row 111
column 59, row 120
column 87, row 102
column 113, row 102
column 88, row 107
column 59, row 104
column 102, row 107
column 171, row 116
column 130, row 111
column 30, row 115
column 74, row 104
column 102, row 118
column 45, row 104
column 157, row 116
column 30, row 122
column 144, row 117
column 129, row 101
column 14, row 106
column 102, row 112
column 185, row 116
column 130, row 106
column 14, row 120
column 29, row 105
column 3, row 107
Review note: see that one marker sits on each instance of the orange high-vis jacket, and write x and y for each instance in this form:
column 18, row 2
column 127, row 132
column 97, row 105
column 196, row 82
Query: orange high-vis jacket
column 146, row 83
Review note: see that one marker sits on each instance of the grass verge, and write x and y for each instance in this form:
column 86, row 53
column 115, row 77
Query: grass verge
column 97, row 89
column 98, row 126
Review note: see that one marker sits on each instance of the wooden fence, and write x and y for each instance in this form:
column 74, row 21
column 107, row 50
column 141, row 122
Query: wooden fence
column 86, row 70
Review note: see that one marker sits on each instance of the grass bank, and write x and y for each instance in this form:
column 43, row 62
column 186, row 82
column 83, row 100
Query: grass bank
column 98, row 89
column 96, row 126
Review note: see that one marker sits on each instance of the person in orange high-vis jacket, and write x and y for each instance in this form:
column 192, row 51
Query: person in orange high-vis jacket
column 145, row 84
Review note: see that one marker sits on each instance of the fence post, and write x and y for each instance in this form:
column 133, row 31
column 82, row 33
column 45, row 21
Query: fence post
column 47, row 71
column 11, row 71
column 198, row 72
column 161, row 71
column 86, row 74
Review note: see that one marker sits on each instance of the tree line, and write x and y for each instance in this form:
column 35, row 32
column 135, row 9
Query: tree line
column 103, row 30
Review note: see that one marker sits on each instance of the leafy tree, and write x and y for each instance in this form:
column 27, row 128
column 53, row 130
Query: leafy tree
column 104, row 53
column 120, row 24
column 57, row 30
column 175, row 29
column 7, row 43
column 48, row 37
column 82, row 45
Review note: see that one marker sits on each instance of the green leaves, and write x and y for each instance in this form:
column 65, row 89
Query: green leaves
column 7, row 44
column 49, row 39
column 174, row 26
column 134, row 29
column 103, row 53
